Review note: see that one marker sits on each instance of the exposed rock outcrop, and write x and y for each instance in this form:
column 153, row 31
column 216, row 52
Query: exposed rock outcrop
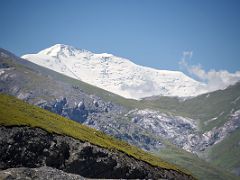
column 33, row 147
column 41, row 173
column 183, row 131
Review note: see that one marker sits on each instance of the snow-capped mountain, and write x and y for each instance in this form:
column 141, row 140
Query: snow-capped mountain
column 116, row 74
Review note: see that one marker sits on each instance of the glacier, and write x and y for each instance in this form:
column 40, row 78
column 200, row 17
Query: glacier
column 115, row 74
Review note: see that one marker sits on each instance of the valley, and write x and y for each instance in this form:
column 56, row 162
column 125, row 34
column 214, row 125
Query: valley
column 187, row 132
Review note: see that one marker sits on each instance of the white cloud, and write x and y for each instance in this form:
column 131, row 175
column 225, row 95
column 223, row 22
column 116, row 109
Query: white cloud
column 214, row 79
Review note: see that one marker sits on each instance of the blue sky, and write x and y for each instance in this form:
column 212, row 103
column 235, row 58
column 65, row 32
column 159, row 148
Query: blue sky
column 150, row 33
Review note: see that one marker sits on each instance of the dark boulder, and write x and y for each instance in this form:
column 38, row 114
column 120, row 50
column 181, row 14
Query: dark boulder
column 33, row 148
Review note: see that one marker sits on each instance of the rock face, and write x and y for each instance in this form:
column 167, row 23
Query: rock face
column 183, row 131
column 41, row 173
column 32, row 148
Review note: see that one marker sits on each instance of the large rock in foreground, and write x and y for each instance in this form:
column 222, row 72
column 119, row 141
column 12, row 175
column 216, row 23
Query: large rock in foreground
column 41, row 173
column 33, row 147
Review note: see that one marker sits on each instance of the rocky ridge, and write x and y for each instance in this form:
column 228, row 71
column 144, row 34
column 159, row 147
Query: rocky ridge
column 34, row 148
column 183, row 131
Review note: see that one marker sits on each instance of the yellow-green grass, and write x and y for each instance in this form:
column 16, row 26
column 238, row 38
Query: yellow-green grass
column 14, row 112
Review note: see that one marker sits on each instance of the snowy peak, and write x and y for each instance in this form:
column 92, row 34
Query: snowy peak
column 61, row 50
column 116, row 74
column 66, row 51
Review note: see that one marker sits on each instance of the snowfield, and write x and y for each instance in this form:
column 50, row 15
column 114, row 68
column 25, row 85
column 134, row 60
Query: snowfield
column 116, row 74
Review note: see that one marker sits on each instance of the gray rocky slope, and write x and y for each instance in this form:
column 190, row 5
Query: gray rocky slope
column 41, row 173
column 146, row 128
column 34, row 148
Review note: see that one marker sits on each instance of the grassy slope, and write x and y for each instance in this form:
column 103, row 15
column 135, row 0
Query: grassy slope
column 199, row 168
column 14, row 112
column 202, row 108
column 226, row 153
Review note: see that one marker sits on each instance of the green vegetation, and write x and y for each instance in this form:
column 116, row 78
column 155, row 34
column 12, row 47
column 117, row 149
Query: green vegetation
column 198, row 167
column 202, row 108
column 14, row 112
column 226, row 153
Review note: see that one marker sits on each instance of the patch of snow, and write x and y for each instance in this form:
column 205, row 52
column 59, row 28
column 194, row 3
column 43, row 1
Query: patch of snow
column 2, row 71
column 236, row 113
column 207, row 95
column 210, row 120
column 234, row 102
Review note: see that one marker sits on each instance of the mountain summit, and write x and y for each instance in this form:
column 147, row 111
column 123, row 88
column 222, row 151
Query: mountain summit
column 116, row 74
column 61, row 50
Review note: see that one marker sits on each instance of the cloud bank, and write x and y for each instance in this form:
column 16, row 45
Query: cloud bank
column 214, row 79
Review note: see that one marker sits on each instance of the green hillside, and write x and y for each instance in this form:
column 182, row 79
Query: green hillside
column 14, row 112
column 198, row 167
column 218, row 104
column 226, row 153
